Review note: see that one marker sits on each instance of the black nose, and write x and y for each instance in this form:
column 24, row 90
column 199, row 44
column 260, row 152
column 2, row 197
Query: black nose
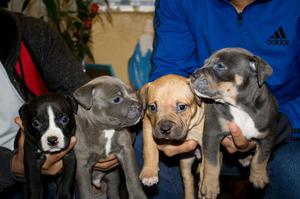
column 52, row 140
column 136, row 107
column 134, row 110
column 165, row 127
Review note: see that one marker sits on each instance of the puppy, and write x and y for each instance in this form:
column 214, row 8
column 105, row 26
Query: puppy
column 49, row 123
column 172, row 115
column 107, row 107
column 234, row 78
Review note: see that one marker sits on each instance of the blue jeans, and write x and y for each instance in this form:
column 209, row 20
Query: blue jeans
column 170, row 182
column 283, row 168
column 284, row 172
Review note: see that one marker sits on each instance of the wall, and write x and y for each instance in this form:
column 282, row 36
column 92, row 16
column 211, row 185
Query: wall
column 114, row 43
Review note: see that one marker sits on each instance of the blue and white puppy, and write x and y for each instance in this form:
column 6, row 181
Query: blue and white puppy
column 233, row 78
column 49, row 123
column 107, row 107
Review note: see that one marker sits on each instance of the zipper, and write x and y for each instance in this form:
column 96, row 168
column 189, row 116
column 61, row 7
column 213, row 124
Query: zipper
column 240, row 18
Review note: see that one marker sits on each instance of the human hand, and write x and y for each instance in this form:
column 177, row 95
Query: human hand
column 171, row 150
column 237, row 141
column 108, row 163
column 52, row 165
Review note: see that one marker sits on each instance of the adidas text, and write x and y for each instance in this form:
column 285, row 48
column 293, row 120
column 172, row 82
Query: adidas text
column 278, row 42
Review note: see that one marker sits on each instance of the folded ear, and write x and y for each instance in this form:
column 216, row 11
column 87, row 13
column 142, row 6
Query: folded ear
column 261, row 67
column 143, row 95
column 23, row 112
column 84, row 96
column 73, row 103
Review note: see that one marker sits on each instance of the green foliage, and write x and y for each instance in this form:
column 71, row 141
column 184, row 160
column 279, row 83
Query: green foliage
column 75, row 24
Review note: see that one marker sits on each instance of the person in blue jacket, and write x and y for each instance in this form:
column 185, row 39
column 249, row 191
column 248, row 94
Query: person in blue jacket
column 187, row 32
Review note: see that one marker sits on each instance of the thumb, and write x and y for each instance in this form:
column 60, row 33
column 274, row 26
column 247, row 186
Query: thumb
column 238, row 138
column 18, row 121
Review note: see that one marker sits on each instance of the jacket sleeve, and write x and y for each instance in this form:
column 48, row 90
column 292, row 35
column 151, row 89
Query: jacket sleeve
column 174, row 46
column 6, row 177
column 59, row 68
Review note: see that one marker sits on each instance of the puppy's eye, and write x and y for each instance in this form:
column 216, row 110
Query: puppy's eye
column 117, row 99
column 36, row 124
column 64, row 119
column 181, row 107
column 152, row 107
column 220, row 67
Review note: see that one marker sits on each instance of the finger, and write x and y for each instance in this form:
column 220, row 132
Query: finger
column 171, row 150
column 229, row 145
column 103, row 166
column 21, row 143
column 53, row 158
column 18, row 121
column 72, row 143
column 190, row 145
column 238, row 138
column 161, row 146
column 54, row 169
column 251, row 145
column 109, row 158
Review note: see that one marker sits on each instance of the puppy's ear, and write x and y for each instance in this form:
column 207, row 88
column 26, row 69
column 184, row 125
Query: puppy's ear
column 73, row 103
column 198, row 100
column 84, row 96
column 143, row 95
column 261, row 67
column 23, row 112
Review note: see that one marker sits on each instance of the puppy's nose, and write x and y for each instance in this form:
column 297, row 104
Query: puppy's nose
column 52, row 140
column 202, row 82
column 193, row 76
column 165, row 127
column 136, row 107
column 134, row 110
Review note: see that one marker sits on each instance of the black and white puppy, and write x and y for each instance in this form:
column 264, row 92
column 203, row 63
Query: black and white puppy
column 234, row 79
column 49, row 123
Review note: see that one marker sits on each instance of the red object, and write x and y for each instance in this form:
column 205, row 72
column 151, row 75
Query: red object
column 33, row 80
column 88, row 24
column 94, row 8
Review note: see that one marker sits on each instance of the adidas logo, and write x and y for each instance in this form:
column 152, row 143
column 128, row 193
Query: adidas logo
column 278, row 38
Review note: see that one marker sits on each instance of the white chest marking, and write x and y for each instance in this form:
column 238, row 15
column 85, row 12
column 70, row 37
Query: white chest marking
column 108, row 134
column 245, row 122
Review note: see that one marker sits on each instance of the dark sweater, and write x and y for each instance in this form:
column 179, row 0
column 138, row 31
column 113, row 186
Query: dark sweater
column 57, row 66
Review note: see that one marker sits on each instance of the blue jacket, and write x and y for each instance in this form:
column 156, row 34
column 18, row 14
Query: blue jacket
column 188, row 31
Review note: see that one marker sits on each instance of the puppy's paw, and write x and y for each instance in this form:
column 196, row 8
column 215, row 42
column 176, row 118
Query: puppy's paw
column 97, row 183
column 259, row 179
column 209, row 191
column 245, row 162
column 149, row 176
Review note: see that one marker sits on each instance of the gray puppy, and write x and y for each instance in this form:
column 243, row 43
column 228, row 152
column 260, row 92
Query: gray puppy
column 234, row 78
column 107, row 107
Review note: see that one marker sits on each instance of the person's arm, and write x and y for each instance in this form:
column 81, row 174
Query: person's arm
column 59, row 68
column 174, row 49
column 236, row 142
